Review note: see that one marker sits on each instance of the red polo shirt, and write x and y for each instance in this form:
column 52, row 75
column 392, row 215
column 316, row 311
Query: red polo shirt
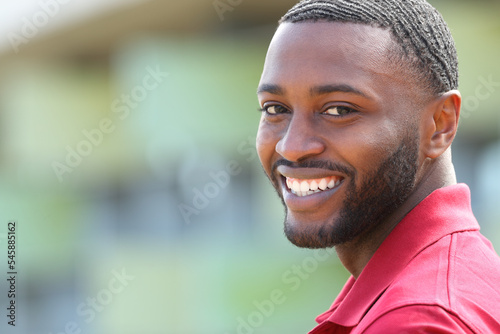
column 434, row 273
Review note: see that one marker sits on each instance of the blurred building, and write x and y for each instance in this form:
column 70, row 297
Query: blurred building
column 127, row 146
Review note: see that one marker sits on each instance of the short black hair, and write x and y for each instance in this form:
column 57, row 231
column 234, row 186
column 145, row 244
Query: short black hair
column 418, row 28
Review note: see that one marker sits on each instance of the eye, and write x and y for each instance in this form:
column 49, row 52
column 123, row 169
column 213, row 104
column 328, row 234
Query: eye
column 339, row 111
column 274, row 109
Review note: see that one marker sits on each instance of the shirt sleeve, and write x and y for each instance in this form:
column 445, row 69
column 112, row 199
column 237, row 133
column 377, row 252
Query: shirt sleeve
column 416, row 319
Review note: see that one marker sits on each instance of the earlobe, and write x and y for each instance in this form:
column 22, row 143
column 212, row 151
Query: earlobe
column 445, row 116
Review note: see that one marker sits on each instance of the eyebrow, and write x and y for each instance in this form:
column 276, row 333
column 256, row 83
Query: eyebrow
column 327, row 89
column 314, row 91
column 273, row 89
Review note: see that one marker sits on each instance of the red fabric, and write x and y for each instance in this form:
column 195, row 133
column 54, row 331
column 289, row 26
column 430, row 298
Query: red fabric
column 435, row 273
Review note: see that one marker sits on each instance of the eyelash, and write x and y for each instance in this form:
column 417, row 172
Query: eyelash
column 265, row 110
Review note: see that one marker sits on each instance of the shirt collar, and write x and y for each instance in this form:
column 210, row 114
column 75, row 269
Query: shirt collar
column 443, row 212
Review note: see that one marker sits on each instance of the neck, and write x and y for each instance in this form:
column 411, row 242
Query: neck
column 435, row 174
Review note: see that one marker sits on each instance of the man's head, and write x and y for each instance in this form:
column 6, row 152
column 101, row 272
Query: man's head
column 424, row 41
column 358, row 101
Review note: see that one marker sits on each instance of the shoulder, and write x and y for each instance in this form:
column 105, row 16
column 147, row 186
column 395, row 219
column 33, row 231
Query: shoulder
column 449, row 287
column 415, row 319
column 454, row 272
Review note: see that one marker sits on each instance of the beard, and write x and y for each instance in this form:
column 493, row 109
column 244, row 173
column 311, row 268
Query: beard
column 365, row 207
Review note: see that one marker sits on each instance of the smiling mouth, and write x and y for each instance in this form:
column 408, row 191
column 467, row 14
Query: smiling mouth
column 307, row 187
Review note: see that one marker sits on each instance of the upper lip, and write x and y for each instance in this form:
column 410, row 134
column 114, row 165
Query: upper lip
column 306, row 173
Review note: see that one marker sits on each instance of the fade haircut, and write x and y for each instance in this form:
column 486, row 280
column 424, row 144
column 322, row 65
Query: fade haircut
column 424, row 39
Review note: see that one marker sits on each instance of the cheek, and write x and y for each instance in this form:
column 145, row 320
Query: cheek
column 363, row 148
column 267, row 138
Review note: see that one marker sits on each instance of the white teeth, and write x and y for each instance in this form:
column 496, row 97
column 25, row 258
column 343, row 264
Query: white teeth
column 304, row 186
column 305, row 193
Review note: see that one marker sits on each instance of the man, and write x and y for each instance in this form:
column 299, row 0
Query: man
column 359, row 109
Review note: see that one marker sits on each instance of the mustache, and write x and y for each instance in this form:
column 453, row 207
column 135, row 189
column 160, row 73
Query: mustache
column 321, row 164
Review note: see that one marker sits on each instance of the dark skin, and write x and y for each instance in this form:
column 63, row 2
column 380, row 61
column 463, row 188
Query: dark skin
column 330, row 94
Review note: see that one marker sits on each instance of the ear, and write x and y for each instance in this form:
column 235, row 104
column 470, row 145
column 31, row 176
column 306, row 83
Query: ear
column 442, row 123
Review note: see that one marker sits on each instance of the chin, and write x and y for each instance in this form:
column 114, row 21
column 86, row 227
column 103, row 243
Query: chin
column 314, row 235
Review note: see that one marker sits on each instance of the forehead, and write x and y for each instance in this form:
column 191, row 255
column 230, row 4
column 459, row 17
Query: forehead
column 324, row 33
column 314, row 52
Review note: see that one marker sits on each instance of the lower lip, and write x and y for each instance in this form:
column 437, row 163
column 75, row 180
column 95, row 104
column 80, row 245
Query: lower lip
column 309, row 202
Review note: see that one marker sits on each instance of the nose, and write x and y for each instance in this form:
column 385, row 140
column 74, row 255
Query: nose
column 300, row 140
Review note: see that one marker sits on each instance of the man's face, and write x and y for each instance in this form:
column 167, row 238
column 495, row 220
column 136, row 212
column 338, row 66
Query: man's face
column 339, row 133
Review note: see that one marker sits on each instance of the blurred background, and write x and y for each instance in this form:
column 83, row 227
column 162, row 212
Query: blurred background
column 127, row 158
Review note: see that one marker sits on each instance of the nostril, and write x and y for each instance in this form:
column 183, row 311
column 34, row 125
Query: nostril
column 299, row 149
